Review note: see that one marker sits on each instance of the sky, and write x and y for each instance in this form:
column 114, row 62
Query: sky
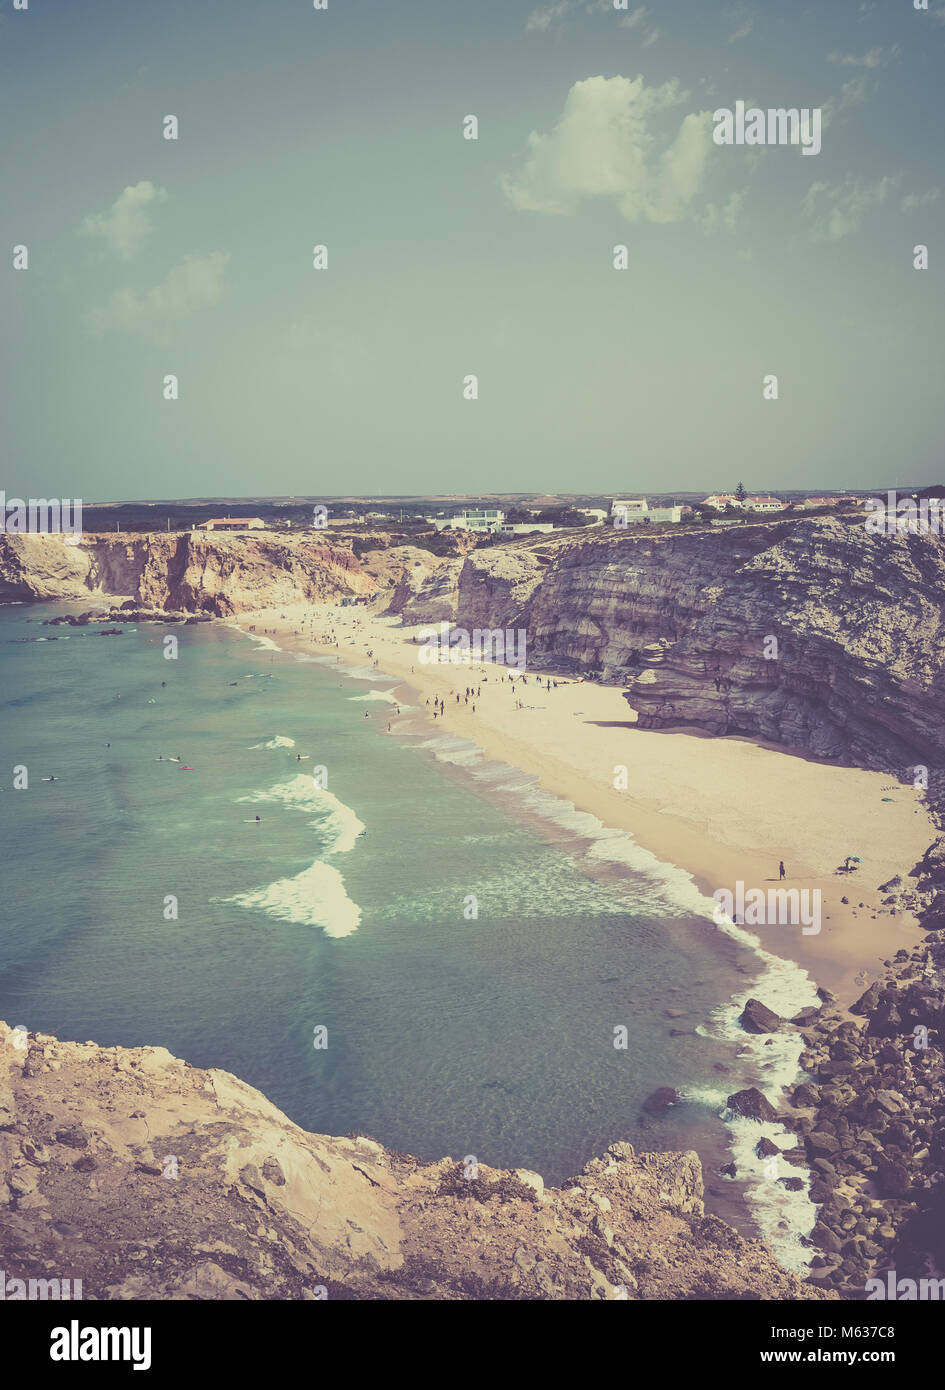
column 450, row 258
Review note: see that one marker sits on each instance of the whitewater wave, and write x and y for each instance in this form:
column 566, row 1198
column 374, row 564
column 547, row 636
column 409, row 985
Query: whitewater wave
column 264, row 643
column 280, row 741
column 314, row 898
column 338, row 822
column 774, row 1061
column 377, row 695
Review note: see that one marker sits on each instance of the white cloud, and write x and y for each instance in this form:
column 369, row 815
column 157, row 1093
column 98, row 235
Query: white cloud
column 718, row 216
column 837, row 210
column 913, row 201
column 603, row 147
column 127, row 224
column 635, row 17
column 742, row 31
column 853, row 93
column 541, row 20
column 875, row 58
column 192, row 285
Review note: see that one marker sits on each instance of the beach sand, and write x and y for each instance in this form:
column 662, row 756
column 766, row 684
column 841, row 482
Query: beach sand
column 724, row 809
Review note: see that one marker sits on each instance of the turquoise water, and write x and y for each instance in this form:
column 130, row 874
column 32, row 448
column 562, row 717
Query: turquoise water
column 490, row 1036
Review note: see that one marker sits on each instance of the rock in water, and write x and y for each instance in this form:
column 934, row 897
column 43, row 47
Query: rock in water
column 661, row 1099
column 752, row 1104
column 758, row 1018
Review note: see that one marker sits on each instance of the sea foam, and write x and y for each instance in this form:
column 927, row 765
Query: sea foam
column 316, row 897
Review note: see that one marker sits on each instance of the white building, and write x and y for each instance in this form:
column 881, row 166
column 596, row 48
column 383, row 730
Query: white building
column 764, row 504
column 626, row 513
column 722, row 500
column 481, row 519
column 597, row 515
column 522, row 528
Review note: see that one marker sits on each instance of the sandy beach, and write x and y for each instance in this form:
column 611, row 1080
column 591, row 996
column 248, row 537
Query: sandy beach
column 725, row 810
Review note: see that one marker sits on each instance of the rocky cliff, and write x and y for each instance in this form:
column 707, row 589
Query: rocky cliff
column 194, row 572
column 148, row 1178
column 813, row 634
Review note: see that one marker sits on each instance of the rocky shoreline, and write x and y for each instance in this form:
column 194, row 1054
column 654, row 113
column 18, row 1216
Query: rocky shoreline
column 148, row 1178
column 870, row 1117
column 128, row 612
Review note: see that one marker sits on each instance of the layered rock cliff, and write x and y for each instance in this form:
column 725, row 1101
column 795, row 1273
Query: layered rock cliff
column 813, row 634
column 190, row 571
column 147, row 1178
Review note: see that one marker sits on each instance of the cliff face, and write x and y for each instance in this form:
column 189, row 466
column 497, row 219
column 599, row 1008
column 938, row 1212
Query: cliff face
column 856, row 667
column 148, row 1178
column 813, row 634
column 195, row 572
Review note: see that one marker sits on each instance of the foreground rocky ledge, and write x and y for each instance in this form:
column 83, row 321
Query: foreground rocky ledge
column 260, row 1209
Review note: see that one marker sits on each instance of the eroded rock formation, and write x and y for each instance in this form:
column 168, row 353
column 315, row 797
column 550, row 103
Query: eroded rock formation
column 813, row 634
column 197, row 572
column 148, row 1178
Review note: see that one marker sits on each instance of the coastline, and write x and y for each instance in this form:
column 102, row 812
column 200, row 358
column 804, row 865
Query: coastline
column 722, row 810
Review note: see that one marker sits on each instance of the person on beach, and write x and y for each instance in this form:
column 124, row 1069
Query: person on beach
column 781, row 869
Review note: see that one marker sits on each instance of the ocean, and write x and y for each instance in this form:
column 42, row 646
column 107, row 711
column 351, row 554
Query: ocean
column 410, row 943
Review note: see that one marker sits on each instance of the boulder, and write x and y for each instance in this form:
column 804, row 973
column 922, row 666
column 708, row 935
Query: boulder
column 752, row 1104
column 758, row 1018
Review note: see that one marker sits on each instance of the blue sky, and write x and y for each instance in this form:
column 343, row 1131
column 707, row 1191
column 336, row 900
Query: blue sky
column 450, row 257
